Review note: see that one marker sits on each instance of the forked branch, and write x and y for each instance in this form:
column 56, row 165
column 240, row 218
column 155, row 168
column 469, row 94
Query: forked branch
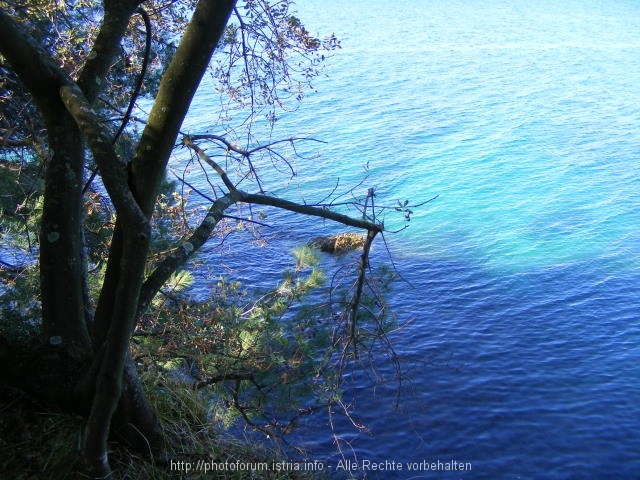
column 217, row 211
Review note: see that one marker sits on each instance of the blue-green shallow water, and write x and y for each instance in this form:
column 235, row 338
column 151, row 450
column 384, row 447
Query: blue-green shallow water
column 524, row 117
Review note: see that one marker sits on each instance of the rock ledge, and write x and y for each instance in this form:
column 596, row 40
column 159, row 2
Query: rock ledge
column 340, row 243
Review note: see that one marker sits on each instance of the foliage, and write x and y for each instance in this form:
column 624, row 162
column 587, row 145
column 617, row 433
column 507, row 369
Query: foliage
column 20, row 206
column 68, row 29
column 253, row 356
column 267, row 359
column 261, row 71
column 20, row 320
column 20, row 203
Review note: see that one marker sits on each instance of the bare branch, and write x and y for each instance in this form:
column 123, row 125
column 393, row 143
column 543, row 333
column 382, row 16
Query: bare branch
column 11, row 143
column 180, row 255
column 245, row 53
column 187, row 141
column 312, row 210
column 262, row 199
column 355, row 302
column 176, row 91
column 106, row 46
column 216, row 212
column 195, row 189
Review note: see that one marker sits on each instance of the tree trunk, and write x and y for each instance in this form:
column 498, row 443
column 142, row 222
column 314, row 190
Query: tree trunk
column 135, row 421
column 62, row 268
column 111, row 386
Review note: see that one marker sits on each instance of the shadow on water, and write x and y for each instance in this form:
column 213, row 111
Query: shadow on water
column 524, row 375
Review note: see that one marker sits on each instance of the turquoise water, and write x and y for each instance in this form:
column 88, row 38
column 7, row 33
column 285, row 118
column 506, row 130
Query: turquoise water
column 524, row 118
column 521, row 118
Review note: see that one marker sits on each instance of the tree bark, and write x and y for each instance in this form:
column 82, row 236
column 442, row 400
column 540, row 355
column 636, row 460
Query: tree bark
column 177, row 88
column 118, row 304
column 61, row 263
column 136, row 234
column 106, row 46
column 61, row 248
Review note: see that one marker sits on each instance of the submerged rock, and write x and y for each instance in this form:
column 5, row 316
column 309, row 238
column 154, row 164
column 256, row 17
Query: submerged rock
column 340, row 243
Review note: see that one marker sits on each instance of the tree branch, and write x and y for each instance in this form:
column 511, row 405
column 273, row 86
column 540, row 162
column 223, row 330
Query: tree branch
column 32, row 63
column 10, row 143
column 136, row 91
column 177, row 87
column 355, row 301
column 106, row 45
column 261, row 199
column 180, row 255
column 187, row 141
column 61, row 261
column 311, row 210
column 113, row 171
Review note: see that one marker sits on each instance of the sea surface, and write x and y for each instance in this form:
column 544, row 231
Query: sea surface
column 523, row 276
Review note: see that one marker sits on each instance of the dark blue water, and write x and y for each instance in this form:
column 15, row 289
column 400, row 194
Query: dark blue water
column 527, row 375
column 523, row 277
